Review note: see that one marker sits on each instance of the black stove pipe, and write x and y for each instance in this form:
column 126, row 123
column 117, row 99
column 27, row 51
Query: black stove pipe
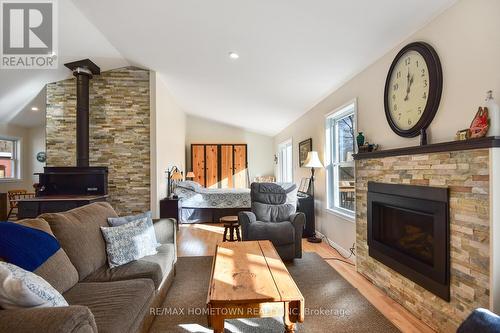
column 82, row 117
column 83, row 71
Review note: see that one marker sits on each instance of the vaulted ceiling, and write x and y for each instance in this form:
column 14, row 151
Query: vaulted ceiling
column 20, row 90
column 292, row 53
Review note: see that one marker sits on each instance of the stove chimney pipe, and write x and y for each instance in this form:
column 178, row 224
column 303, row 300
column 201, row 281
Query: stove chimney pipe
column 83, row 70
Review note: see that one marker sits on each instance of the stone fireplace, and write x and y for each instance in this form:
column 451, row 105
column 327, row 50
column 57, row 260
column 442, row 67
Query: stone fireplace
column 397, row 233
column 408, row 231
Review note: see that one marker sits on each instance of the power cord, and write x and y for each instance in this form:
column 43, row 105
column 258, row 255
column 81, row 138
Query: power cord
column 351, row 250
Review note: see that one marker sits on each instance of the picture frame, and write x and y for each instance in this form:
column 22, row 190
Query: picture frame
column 304, row 148
column 304, row 185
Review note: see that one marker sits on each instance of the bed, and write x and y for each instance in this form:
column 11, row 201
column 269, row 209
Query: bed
column 199, row 204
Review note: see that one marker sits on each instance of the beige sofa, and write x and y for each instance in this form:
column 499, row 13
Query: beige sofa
column 101, row 299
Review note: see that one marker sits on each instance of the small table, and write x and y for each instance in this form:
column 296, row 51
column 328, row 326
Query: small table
column 32, row 207
column 249, row 280
column 170, row 208
column 231, row 225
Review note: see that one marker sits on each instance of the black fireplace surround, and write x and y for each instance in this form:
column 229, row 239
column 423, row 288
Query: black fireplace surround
column 408, row 231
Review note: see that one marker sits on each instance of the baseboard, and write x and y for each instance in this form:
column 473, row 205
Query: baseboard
column 344, row 252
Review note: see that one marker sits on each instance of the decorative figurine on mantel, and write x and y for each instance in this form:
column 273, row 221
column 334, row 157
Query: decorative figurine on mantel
column 485, row 122
column 365, row 146
column 480, row 124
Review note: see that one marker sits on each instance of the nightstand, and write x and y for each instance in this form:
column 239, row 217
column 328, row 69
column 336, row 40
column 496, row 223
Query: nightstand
column 169, row 208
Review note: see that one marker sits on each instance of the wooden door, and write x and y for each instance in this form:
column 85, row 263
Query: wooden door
column 226, row 166
column 240, row 166
column 211, row 166
column 198, row 163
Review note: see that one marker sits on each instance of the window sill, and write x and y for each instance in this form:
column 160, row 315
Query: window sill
column 347, row 217
column 10, row 180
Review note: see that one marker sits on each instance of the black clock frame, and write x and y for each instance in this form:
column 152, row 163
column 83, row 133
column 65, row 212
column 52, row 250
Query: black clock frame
column 435, row 88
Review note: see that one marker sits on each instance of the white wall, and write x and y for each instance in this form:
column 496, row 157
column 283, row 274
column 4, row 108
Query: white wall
column 466, row 38
column 260, row 147
column 23, row 134
column 168, row 135
column 36, row 145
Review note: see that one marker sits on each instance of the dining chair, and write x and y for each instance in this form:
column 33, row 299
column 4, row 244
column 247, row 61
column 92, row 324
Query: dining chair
column 14, row 196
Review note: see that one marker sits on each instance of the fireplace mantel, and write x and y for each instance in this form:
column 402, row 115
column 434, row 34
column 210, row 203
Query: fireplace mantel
column 487, row 142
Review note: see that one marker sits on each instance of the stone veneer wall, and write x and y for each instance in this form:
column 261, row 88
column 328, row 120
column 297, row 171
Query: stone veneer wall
column 466, row 174
column 119, row 132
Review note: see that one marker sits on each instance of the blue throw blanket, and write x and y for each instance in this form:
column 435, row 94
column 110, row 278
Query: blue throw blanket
column 480, row 321
column 26, row 247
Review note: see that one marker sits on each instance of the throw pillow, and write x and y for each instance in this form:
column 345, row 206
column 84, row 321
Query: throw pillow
column 23, row 289
column 117, row 221
column 128, row 242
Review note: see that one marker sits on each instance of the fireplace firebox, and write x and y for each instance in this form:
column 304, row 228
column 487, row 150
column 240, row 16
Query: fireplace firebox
column 408, row 231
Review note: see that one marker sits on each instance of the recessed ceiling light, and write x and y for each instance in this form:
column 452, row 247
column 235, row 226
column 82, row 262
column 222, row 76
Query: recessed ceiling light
column 233, row 55
column 34, row 108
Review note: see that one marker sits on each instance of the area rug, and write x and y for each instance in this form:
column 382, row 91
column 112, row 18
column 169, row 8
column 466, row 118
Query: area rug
column 332, row 303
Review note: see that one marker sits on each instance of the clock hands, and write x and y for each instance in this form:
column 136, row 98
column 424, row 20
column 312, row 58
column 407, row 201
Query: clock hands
column 409, row 82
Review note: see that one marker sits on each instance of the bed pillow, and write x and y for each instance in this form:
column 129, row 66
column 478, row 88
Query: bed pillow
column 118, row 221
column 190, row 185
column 128, row 242
column 23, row 289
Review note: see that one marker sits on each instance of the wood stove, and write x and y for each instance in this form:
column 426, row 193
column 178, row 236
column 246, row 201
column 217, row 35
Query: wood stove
column 63, row 188
column 408, row 231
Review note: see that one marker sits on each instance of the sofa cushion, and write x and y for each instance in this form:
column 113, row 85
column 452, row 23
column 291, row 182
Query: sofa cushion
column 78, row 231
column 57, row 269
column 118, row 306
column 155, row 267
column 268, row 213
column 165, row 259
column 280, row 233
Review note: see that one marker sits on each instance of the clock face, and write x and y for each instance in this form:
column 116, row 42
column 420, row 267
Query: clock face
column 408, row 90
column 413, row 89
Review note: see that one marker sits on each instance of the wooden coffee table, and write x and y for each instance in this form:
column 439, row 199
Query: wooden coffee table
column 249, row 280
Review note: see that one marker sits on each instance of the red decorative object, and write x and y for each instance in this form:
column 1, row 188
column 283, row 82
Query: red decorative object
column 480, row 124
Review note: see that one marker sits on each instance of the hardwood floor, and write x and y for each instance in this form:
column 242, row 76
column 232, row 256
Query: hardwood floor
column 200, row 240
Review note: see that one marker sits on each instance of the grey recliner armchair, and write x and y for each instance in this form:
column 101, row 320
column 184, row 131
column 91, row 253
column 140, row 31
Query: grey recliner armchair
column 272, row 218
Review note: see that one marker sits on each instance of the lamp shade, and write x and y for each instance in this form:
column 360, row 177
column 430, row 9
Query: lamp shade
column 177, row 175
column 190, row 174
column 312, row 160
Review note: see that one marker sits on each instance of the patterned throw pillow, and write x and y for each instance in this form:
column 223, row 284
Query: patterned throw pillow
column 23, row 289
column 128, row 242
column 118, row 221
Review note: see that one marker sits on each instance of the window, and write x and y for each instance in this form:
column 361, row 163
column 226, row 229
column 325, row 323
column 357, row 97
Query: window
column 340, row 145
column 285, row 162
column 9, row 163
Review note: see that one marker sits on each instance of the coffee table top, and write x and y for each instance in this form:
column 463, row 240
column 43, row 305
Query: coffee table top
column 250, row 271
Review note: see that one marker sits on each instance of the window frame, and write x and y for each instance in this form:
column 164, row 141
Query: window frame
column 332, row 163
column 16, row 160
column 285, row 145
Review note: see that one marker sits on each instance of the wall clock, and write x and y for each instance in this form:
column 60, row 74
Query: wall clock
column 41, row 157
column 413, row 89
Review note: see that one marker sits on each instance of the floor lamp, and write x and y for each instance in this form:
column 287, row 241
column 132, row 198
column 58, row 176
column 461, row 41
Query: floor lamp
column 312, row 161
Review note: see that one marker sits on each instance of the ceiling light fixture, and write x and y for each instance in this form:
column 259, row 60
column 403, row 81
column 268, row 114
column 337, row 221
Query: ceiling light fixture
column 233, row 55
column 34, row 108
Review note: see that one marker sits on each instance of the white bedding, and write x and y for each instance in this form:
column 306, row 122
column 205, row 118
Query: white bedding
column 192, row 195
